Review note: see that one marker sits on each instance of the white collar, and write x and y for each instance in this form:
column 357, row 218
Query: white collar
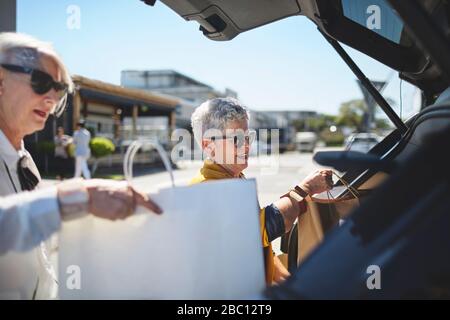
column 8, row 153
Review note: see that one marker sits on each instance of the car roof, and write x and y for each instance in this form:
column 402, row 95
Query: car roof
column 223, row 20
column 358, row 137
column 365, row 134
column 306, row 134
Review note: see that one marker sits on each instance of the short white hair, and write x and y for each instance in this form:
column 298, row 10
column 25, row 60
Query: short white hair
column 217, row 114
column 11, row 41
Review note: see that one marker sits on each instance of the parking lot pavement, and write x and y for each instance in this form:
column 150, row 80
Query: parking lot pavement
column 293, row 168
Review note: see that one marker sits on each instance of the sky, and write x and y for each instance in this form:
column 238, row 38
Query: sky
column 285, row 65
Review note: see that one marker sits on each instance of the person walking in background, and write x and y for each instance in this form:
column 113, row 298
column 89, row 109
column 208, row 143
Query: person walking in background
column 81, row 139
column 62, row 143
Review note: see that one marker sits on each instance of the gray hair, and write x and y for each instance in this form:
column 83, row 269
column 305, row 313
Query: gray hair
column 217, row 114
column 27, row 51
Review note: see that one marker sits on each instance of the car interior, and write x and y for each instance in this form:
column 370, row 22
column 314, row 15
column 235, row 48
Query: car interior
column 391, row 207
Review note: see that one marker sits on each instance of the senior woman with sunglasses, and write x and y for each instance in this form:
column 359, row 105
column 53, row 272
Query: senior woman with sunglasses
column 220, row 127
column 34, row 84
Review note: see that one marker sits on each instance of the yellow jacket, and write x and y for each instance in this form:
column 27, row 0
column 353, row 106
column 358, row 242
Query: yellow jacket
column 213, row 171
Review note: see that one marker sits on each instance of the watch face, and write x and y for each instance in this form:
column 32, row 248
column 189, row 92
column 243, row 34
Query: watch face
column 302, row 192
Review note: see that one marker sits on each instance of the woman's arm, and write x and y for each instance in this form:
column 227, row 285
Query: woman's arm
column 28, row 218
column 289, row 210
column 280, row 272
column 289, row 207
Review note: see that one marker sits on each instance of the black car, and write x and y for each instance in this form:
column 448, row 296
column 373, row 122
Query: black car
column 395, row 243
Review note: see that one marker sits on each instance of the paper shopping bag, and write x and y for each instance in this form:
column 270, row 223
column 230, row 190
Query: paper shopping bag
column 323, row 213
column 206, row 245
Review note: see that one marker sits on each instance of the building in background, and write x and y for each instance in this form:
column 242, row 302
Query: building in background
column 262, row 120
column 283, row 120
column 183, row 113
column 119, row 114
column 172, row 83
column 267, row 133
column 288, row 116
column 191, row 92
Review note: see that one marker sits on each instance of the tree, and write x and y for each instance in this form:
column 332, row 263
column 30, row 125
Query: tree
column 351, row 114
column 316, row 124
column 299, row 125
column 382, row 124
column 100, row 147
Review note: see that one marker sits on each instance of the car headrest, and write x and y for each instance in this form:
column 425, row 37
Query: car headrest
column 444, row 96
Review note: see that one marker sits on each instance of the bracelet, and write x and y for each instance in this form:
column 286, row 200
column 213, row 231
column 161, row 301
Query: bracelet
column 293, row 194
column 303, row 194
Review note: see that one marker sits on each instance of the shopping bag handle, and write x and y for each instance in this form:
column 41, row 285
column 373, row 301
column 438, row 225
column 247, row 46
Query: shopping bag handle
column 133, row 149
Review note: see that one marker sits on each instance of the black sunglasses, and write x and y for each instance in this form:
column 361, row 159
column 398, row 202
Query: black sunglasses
column 41, row 82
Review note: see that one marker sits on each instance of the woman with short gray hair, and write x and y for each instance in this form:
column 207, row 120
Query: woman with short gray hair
column 220, row 127
column 215, row 114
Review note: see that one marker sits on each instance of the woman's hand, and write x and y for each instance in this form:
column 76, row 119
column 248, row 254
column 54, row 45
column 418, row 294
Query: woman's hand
column 317, row 182
column 106, row 199
column 116, row 200
column 280, row 272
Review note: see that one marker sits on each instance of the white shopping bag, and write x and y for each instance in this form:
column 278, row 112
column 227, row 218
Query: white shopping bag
column 206, row 245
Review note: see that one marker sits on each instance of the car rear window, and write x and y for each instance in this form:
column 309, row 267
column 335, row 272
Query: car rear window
column 375, row 15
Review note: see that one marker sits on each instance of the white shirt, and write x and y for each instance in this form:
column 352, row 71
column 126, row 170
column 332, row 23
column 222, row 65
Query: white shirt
column 81, row 139
column 26, row 220
column 61, row 144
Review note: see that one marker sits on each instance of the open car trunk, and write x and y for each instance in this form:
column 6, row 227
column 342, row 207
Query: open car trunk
column 352, row 22
column 400, row 220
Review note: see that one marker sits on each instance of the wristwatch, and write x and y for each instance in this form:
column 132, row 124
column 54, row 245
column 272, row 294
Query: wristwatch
column 73, row 199
column 299, row 195
column 301, row 192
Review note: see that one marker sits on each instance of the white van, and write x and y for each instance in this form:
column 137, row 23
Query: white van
column 306, row 141
column 362, row 142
